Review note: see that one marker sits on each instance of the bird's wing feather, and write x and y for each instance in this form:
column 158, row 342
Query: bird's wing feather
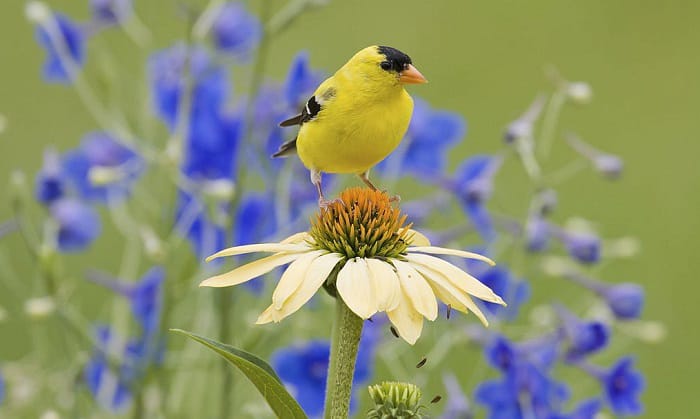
column 287, row 148
column 325, row 92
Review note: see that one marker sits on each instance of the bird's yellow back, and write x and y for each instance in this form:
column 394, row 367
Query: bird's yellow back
column 364, row 114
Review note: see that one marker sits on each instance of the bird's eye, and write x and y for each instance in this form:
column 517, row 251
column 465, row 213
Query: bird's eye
column 386, row 65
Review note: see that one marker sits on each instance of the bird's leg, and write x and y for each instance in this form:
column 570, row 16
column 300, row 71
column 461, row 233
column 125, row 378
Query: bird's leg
column 316, row 180
column 365, row 178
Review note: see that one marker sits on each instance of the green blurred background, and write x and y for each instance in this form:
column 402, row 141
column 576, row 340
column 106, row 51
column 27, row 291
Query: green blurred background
column 484, row 60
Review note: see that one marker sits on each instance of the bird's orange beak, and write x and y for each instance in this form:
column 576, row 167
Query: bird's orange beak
column 411, row 75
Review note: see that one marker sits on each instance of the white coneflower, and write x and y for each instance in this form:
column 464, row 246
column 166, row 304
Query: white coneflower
column 360, row 249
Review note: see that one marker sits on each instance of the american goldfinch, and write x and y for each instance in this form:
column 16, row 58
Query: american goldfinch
column 356, row 117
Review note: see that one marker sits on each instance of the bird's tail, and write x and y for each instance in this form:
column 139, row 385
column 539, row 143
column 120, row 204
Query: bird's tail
column 287, row 149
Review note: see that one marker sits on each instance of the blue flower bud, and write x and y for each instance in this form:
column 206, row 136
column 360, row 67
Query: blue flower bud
column 625, row 300
column 584, row 337
column 50, row 183
column 235, row 31
column 537, row 234
column 59, row 29
column 78, row 224
column 608, row 165
column 110, row 11
column 584, row 247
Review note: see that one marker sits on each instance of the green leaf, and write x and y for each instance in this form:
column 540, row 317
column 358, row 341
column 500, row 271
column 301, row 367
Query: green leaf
column 259, row 372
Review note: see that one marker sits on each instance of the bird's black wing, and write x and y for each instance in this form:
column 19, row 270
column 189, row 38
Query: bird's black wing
column 286, row 149
column 309, row 112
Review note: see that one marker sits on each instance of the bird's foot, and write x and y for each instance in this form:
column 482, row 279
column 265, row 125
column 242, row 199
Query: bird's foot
column 393, row 198
column 324, row 203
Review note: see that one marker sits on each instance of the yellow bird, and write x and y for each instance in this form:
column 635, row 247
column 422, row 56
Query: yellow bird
column 356, row 117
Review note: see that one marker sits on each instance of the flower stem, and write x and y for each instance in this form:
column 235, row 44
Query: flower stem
column 344, row 344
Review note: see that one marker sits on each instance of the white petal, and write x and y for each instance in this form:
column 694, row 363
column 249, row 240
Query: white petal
column 355, row 288
column 408, row 322
column 453, row 252
column 386, row 284
column 419, row 239
column 292, row 278
column 449, row 294
column 266, row 316
column 414, row 286
column 316, row 275
column 297, row 238
column 249, row 271
column 457, row 277
column 260, row 247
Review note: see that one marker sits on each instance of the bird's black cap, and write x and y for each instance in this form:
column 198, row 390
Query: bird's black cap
column 398, row 60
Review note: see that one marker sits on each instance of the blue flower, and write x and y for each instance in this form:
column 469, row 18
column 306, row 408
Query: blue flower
column 145, row 297
column 622, row 386
column 111, row 385
column 587, row 409
column 167, row 71
column 210, row 159
column 78, row 224
column 2, row 388
column 235, row 31
column 255, row 219
column 625, row 300
column 430, row 135
column 110, row 389
column 202, row 223
column 301, row 81
column 501, row 354
column 212, row 142
column 584, row 247
column 537, row 233
column 303, row 368
column 255, row 222
column 525, row 387
column 50, row 182
column 101, row 168
column 503, row 283
column 473, row 186
column 585, row 337
column 72, row 41
column 110, row 11
column 500, row 399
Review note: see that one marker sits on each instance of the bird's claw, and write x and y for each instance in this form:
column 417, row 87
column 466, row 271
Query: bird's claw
column 324, row 203
column 393, row 198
